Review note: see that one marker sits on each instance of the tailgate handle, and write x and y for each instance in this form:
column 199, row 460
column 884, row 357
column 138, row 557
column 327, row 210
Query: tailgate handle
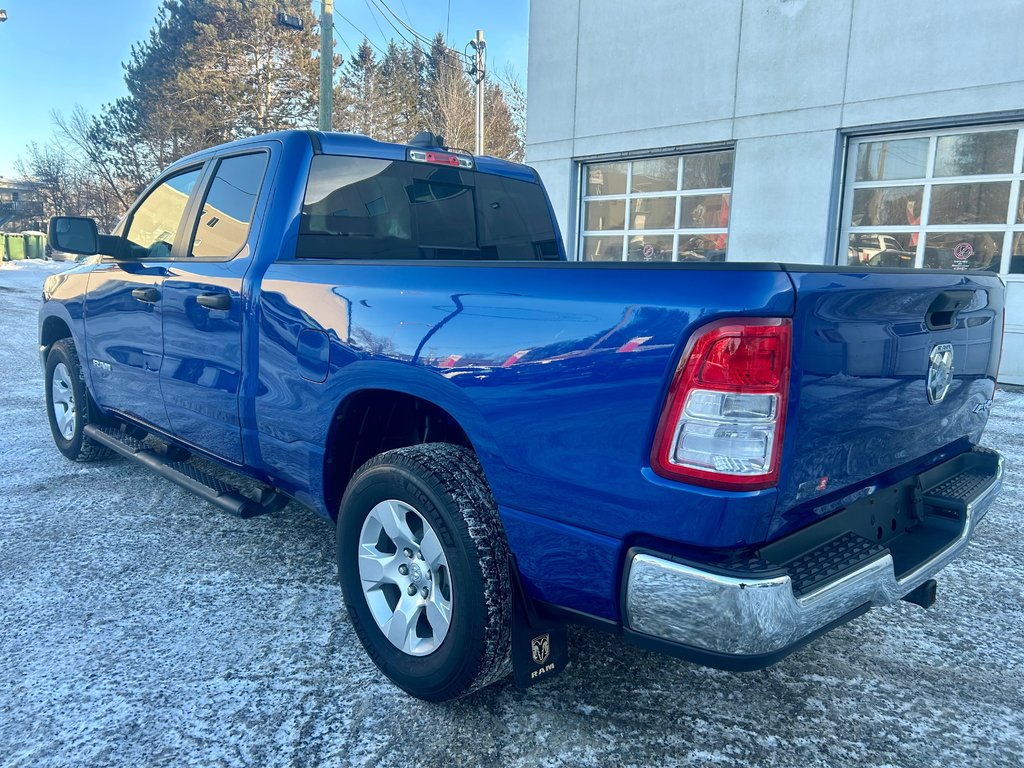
column 942, row 312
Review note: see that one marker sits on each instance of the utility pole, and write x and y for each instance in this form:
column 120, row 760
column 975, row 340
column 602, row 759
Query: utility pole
column 326, row 64
column 479, row 72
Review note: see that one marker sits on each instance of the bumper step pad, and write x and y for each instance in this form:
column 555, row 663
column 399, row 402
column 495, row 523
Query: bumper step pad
column 188, row 475
column 831, row 561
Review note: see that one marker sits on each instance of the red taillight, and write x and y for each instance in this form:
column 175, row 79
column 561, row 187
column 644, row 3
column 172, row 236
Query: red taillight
column 723, row 420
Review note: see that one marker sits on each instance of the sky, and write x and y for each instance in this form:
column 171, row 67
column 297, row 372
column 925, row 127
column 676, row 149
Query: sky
column 55, row 54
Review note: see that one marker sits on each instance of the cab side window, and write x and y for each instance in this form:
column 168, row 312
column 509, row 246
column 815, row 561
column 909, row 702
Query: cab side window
column 227, row 212
column 156, row 220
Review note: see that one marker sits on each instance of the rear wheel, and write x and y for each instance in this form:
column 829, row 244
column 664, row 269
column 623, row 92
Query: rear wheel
column 68, row 404
column 424, row 570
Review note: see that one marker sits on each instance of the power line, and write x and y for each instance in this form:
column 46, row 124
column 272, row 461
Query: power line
column 366, row 37
column 374, row 17
column 343, row 41
column 404, row 39
column 418, row 35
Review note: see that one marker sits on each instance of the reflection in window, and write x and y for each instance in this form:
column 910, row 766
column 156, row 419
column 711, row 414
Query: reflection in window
column 653, row 213
column 964, row 250
column 655, row 175
column 919, row 201
column 606, row 248
column 874, row 249
column 605, row 214
column 357, row 208
column 970, row 203
column 971, row 154
column 676, row 208
column 156, row 220
column 885, row 160
column 710, row 170
column 606, row 179
column 886, row 206
column 223, row 225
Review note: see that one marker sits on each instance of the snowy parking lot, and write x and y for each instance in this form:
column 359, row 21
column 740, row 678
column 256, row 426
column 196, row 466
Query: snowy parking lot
column 139, row 626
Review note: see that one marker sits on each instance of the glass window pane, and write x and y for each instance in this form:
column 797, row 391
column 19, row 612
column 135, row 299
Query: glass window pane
column 362, row 208
column 887, row 206
column 653, row 213
column 963, row 250
column 605, row 214
column 602, row 248
column 703, row 247
column 882, row 249
column 1020, row 207
column 606, row 179
column 156, row 220
column 705, row 211
column 897, row 159
column 650, row 248
column 969, row 154
column 659, row 174
column 223, row 226
column 709, row 170
column 1017, row 254
column 969, row 203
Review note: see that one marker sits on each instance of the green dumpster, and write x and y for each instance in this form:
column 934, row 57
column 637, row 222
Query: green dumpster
column 15, row 247
column 33, row 245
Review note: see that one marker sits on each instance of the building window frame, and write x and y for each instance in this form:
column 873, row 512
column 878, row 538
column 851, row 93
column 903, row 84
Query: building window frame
column 629, row 198
column 1010, row 228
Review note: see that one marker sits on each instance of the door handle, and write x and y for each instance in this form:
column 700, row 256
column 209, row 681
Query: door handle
column 214, row 300
column 147, row 295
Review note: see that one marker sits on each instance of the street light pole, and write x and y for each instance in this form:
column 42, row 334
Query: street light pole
column 326, row 64
column 479, row 72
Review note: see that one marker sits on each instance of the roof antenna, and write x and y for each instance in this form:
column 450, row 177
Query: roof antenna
column 428, row 139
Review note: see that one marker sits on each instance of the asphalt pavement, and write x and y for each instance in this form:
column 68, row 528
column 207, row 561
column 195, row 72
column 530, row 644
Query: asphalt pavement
column 141, row 627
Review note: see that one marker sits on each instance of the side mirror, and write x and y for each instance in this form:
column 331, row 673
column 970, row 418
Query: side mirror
column 74, row 234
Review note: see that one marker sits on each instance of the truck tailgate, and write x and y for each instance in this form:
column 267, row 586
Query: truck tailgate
column 864, row 346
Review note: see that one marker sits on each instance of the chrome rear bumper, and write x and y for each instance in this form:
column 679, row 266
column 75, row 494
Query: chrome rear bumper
column 722, row 616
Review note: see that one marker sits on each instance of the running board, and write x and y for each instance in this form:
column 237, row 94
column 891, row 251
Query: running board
column 187, row 475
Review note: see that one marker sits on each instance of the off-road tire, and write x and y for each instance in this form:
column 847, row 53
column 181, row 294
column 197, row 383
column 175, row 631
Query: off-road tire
column 446, row 485
column 78, row 447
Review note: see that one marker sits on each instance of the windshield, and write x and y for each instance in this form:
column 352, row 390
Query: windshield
column 366, row 208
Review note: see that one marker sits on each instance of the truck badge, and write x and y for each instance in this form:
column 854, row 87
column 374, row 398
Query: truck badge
column 940, row 372
column 541, row 648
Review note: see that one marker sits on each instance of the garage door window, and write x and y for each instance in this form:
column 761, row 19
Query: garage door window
column 947, row 199
column 671, row 208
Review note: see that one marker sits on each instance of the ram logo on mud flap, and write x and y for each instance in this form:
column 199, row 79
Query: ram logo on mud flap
column 541, row 648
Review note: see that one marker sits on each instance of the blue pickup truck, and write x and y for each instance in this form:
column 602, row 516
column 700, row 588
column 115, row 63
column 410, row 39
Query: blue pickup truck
column 720, row 461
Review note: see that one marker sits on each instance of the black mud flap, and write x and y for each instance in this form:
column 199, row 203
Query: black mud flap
column 540, row 648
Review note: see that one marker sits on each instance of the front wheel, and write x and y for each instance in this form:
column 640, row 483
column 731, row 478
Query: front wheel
column 68, row 404
column 424, row 570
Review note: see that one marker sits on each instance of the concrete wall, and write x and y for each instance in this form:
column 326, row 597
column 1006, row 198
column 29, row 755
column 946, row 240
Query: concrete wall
column 782, row 79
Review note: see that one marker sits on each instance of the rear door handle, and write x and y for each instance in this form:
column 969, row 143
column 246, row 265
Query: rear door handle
column 214, row 300
column 147, row 295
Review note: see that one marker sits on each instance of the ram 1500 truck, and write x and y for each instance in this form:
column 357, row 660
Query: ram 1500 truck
column 721, row 461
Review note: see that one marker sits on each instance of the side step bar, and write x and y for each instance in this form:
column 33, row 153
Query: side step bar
column 188, row 476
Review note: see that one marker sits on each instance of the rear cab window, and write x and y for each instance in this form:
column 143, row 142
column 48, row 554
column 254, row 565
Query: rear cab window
column 369, row 208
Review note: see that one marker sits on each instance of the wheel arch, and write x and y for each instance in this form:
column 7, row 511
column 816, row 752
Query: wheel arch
column 372, row 420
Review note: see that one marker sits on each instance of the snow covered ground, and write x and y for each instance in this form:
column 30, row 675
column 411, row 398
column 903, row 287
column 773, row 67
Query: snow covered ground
column 139, row 627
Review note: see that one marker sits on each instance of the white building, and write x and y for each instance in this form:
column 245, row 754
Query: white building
column 821, row 131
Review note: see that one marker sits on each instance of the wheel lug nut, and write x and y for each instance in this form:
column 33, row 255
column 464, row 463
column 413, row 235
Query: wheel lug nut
column 412, row 589
column 407, row 552
column 430, row 576
column 419, row 555
column 403, row 569
column 424, row 591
